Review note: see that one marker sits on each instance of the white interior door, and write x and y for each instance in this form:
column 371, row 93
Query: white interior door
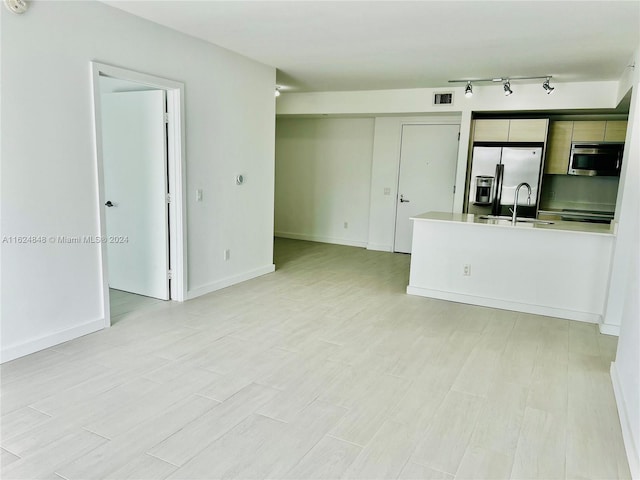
column 428, row 159
column 135, row 184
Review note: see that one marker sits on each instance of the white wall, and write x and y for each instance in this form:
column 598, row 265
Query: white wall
column 530, row 96
column 51, row 293
column 625, row 371
column 622, row 302
column 335, row 170
column 385, row 169
column 323, row 176
column 627, row 217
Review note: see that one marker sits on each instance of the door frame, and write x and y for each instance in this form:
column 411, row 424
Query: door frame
column 176, row 161
column 425, row 122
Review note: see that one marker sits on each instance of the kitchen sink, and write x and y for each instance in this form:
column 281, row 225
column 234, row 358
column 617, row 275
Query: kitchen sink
column 519, row 219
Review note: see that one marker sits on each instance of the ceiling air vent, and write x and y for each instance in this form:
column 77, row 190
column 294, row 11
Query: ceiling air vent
column 443, row 98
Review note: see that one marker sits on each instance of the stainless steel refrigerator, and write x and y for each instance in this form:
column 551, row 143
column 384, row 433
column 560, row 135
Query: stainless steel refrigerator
column 499, row 170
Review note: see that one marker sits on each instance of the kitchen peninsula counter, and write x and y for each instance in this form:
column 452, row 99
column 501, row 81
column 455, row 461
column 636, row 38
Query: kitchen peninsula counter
column 559, row 269
column 583, row 227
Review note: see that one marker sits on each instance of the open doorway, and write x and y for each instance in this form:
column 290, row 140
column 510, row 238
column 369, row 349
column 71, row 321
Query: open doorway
column 140, row 164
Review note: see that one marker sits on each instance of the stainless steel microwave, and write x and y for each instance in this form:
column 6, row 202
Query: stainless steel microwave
column 595, row 159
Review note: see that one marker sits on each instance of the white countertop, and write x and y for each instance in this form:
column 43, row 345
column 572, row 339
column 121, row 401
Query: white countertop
column 578, row 227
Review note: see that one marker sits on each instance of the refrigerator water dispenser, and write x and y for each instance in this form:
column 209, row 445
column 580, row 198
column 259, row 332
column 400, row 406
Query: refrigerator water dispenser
column 483, row 190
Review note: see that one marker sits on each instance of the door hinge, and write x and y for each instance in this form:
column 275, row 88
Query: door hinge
column 458, row 136
column 168, row 198
column 169, row 274
column 166, row 117
column 454, row 189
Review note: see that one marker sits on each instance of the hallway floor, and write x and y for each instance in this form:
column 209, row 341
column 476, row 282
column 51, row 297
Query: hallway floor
column 124, row 304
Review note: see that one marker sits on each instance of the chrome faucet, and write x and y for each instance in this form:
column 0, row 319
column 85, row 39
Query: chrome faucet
column 515, row 203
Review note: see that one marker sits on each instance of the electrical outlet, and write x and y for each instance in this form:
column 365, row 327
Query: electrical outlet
column 346, row 224
column 466, row 271
column 227, row 254
column 552, row 195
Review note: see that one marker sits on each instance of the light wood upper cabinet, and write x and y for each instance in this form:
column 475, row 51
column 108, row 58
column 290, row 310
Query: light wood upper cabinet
column 528, row 130
column 615, row 131
column 559, row 147
column 600, row 131
column 491, row 131
column 562, row 134
column 589, row 131
column 505, row 130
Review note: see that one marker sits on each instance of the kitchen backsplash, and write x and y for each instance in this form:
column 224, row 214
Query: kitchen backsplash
column 578, row 192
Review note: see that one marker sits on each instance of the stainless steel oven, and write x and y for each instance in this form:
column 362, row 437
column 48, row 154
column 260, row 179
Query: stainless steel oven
column 595, row 159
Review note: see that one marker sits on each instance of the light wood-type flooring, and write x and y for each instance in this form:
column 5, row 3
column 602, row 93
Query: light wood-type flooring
column 324, row 369
column 124, row 304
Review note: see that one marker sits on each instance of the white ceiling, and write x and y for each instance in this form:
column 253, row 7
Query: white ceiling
column 367, row 45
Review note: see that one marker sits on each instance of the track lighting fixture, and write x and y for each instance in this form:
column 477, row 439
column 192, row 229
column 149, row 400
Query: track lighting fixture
column 506, row 83
column 548, row 88
column 277, row 91
column 507, row 88
column 468, row 91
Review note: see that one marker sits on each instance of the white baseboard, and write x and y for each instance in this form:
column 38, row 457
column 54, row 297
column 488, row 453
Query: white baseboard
column 608, row 329
column 40, row 343
column 505, row 304
column 321, row 239
column 630, row 444
column 378, row 247
column 227, row 282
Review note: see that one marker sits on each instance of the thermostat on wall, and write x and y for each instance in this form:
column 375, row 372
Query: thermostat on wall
column 239, row 179
column 17, row 6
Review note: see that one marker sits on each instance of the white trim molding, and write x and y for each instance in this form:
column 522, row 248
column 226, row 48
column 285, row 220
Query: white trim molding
column 321, row 239
column 609, row 329
column 176, row 158
column 227, row 282
column 49, row 340
column 505, row 304
column 630, row 444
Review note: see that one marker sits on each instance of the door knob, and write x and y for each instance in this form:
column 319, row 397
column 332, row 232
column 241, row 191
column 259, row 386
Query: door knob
column 403, row 200
column 109, row 204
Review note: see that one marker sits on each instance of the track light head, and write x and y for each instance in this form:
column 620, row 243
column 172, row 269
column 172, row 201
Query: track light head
column 506, row 83
column 468, row 91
